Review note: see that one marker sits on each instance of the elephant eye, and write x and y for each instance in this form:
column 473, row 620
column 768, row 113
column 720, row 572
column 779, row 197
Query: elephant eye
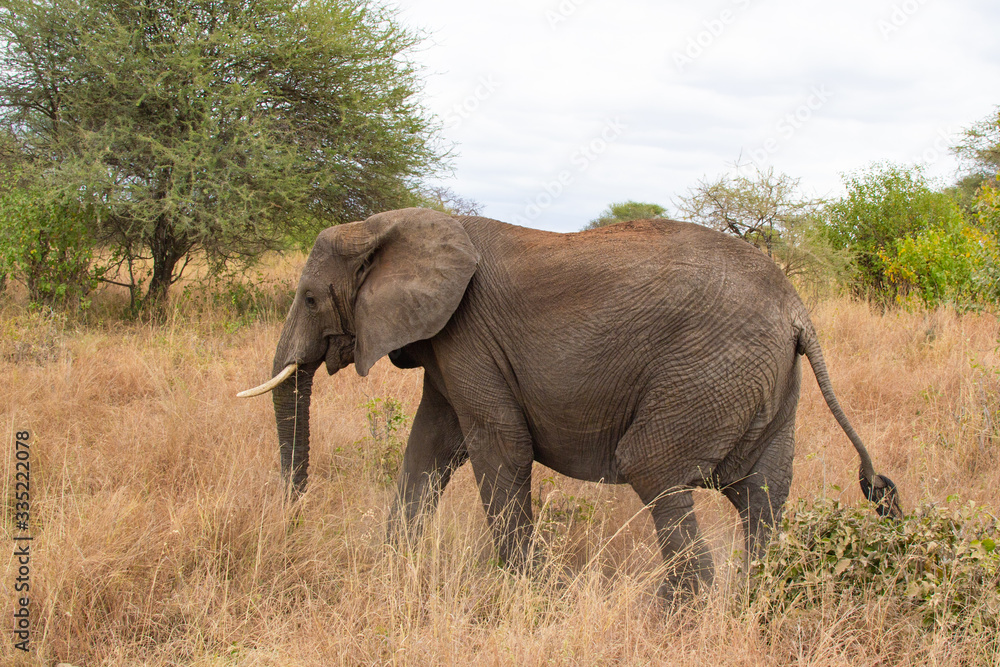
column 310, row 301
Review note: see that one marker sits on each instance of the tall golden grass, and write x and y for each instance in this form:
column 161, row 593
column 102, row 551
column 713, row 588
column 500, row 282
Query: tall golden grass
column 161, row 535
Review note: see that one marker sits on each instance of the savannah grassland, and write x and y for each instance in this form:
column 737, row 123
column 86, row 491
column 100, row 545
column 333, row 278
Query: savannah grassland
column 162, row 537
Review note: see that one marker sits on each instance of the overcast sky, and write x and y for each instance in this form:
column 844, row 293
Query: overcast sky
column 557, row 108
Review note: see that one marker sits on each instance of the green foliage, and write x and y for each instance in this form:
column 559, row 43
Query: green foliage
column 940, row 563
column 987, row 205
column 561, row 508
column 625, row 211
column 46, row 246
column 944, row 264
column 804, row 253
column 210, row 125
column 765, row 209
column 382, row 451
column 965, row 192
column 885, row 204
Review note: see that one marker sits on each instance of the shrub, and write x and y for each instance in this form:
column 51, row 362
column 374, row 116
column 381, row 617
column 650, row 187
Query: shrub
column 558, row 513
column 942, row 264
column 238, row 300
column 884, row 205
column 940, row 562
column 806, row 255
column 48, row 247
column 987, row 204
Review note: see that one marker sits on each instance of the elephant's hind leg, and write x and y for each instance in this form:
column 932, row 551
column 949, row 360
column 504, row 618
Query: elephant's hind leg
column 760, row 496
column 653, row 458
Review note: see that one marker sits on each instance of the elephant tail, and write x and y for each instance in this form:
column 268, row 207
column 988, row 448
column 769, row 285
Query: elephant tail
column 878, row 489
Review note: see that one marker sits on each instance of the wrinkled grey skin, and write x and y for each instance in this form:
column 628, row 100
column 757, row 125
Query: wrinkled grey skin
column 657, row 353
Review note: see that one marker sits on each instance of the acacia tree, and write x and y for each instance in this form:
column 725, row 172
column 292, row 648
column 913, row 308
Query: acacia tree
column 446, row 200
column 213, row 125
column 765, row 208
column 625, row 211
column 754, row 204
column 979, row 146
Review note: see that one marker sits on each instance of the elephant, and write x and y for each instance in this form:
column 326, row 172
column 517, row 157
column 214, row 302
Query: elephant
column 657, row 353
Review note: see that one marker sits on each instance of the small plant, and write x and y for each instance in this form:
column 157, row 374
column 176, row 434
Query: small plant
column 940, row 562
column 559, row 512
column 382, row 451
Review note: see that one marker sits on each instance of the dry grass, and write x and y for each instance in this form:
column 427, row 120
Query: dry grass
column 161, row 536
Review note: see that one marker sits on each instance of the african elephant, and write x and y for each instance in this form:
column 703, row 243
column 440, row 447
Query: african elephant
column 656, row 353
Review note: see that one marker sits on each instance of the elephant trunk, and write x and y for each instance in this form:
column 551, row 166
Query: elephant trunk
column 291, row 412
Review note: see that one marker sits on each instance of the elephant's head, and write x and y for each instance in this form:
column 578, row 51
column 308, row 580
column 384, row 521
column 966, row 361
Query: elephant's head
column 368, row 288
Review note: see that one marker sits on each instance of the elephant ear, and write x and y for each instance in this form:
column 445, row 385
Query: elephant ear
column 412, row 281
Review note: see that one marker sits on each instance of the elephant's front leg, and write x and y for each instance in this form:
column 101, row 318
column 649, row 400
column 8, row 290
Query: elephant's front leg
column 501, row 461
column 434, row 450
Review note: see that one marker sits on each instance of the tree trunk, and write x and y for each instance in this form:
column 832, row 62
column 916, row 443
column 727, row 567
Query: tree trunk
column 167, row 250
column 160, row 281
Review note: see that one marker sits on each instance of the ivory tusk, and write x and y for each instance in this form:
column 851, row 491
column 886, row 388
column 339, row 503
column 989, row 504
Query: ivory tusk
column 270, row 384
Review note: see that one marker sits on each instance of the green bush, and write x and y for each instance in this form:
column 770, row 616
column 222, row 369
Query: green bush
column 806, row 256
column 626, row 211
column 987, row 205
column 558, row 513
column 48, row 247
column 885, row 204
column 940, row 563
column 942, row 264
